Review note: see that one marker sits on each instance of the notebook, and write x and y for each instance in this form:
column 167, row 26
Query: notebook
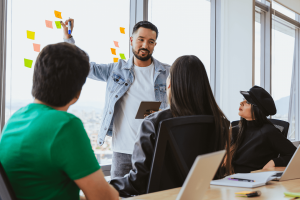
column 260, row 179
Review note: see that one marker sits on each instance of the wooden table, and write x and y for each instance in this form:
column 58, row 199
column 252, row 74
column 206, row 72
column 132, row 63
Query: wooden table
column 272, row 191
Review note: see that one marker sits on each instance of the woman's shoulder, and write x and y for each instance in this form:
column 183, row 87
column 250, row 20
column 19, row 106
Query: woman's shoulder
column 159, row 116
column 269, row 129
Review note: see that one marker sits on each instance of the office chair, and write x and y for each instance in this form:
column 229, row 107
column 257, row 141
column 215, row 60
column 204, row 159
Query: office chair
column 6, row 191
column 180, row 140
column 281, row 125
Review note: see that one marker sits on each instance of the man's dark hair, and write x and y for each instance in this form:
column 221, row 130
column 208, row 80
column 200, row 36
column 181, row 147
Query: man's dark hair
column 60, row 71
column 145, row 24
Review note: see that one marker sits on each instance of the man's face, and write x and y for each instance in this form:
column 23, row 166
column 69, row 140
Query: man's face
column 143, row 42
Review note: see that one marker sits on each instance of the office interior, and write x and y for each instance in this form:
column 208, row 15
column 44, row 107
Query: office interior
column 242, row 43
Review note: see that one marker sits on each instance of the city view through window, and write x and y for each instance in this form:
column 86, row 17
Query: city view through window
column 92, row 32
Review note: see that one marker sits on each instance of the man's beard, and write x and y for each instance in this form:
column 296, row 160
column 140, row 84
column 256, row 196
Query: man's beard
column 140, row 57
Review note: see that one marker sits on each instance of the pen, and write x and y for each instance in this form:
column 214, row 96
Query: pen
column 240, row 179
column 69, row 27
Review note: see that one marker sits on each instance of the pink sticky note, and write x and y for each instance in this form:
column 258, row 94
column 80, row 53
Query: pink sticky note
column 37, row 47
column 116, row 43
column 49, row 24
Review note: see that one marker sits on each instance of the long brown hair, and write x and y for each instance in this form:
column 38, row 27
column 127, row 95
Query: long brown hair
column 191, row 95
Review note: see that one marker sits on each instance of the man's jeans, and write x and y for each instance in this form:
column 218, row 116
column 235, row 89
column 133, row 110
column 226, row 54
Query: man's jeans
column 121, row 164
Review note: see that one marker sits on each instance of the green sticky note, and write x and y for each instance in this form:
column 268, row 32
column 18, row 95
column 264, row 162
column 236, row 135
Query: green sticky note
column 58, row 25
column 122, row 56
column 28, row 63
column 291, row 194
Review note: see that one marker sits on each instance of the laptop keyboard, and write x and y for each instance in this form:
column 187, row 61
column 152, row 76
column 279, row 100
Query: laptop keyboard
column 278, row 174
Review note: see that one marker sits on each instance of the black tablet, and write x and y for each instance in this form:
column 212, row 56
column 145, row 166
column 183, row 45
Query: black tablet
column 145, row 108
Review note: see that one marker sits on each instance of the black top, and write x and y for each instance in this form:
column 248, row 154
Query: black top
column 259, row 146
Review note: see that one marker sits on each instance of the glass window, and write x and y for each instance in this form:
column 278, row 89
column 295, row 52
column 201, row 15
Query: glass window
column 92, row 32
column 283, row 41
column 257, row 48
column 283, row 10
column 184, row 29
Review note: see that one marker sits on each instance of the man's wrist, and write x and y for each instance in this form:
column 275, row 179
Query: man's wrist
column 68, row 37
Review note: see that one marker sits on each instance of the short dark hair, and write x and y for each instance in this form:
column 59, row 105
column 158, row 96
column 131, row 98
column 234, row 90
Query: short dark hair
column 145, row 24
column 60, row 71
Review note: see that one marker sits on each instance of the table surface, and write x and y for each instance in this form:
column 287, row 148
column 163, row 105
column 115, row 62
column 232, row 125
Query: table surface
column 272, row 191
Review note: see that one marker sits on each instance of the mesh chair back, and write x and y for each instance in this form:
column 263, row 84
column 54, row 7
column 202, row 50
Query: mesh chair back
column 281, row 125
column 180, row 140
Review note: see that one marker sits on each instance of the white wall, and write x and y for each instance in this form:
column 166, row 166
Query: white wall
column 294, row 5
column 236, row 53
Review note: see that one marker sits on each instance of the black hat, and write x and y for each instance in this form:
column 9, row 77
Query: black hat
column 260, row 98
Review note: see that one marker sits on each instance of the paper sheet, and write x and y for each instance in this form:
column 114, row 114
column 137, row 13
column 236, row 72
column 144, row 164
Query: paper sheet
column 57, row 14
column 122, row 56
column 36, row 47
column 113, row 51
column 58, row 25
column 116, row 60
column 48, row 24
column 28, row 63
column 30, row 35
column 122, row 30
column 116, row 43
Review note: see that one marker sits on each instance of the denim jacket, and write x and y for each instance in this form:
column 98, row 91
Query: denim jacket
column 119, row 77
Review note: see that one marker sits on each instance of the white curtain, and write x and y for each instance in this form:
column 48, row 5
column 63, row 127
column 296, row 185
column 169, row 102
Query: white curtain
column 3, row 22
column 294, row 117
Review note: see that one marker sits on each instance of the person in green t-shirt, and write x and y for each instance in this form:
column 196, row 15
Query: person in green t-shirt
column 44, row 150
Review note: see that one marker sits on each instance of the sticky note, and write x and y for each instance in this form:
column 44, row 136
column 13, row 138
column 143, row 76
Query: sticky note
column 30, row 35
column 116, row 43
column 36, row 47
column 28, row 63
column 113, row 51
column 58, row 25
column 116, row 60
column 57, row 14
column 122, row 56
column 122, row 30
column 48, row 24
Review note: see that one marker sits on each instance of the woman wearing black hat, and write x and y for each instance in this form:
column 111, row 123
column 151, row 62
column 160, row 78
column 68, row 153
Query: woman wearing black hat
column 256, row 142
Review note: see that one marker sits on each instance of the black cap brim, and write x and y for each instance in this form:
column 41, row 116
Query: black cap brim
column 247, row 97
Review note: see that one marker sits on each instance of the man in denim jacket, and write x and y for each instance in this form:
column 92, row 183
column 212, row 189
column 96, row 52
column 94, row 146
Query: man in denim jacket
column 141, row 78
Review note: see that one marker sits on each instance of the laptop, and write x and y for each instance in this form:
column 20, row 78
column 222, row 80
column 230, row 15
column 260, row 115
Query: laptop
column 200, row 175
column 292, row 170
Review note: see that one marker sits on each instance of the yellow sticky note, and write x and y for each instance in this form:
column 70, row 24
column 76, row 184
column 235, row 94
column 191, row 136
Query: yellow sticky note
column 36, row 47
column 122, row 30
column 58, row 24
column 113, row 51
column 122, row 56
column 28, row 63
column 116, row 60
column 57, row 14
column 30, row 35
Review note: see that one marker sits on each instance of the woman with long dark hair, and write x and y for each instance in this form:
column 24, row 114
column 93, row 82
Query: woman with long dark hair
column 189, row 93
column 256, row 142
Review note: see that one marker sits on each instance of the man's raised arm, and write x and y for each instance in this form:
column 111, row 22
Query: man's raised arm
column 99, row 72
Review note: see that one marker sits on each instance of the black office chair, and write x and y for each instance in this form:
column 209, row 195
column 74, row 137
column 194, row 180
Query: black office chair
column 6, row 190
column 281, row 125
column 180, row 140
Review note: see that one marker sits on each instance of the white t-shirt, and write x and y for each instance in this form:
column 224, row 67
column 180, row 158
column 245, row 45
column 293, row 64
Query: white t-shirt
column 125, row 125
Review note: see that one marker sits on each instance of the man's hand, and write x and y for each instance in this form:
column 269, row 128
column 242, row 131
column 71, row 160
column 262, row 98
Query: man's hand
column 270, row 164
column 151, row 111
column 65, row 28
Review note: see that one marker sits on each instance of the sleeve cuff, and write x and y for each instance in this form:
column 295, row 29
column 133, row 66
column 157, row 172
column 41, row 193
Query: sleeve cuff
column 279, row 162
column 70, row 40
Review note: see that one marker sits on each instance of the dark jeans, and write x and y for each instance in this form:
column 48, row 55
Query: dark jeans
column 121, row 164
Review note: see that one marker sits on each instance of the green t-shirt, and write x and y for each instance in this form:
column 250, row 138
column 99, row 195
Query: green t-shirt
column 43, row 151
